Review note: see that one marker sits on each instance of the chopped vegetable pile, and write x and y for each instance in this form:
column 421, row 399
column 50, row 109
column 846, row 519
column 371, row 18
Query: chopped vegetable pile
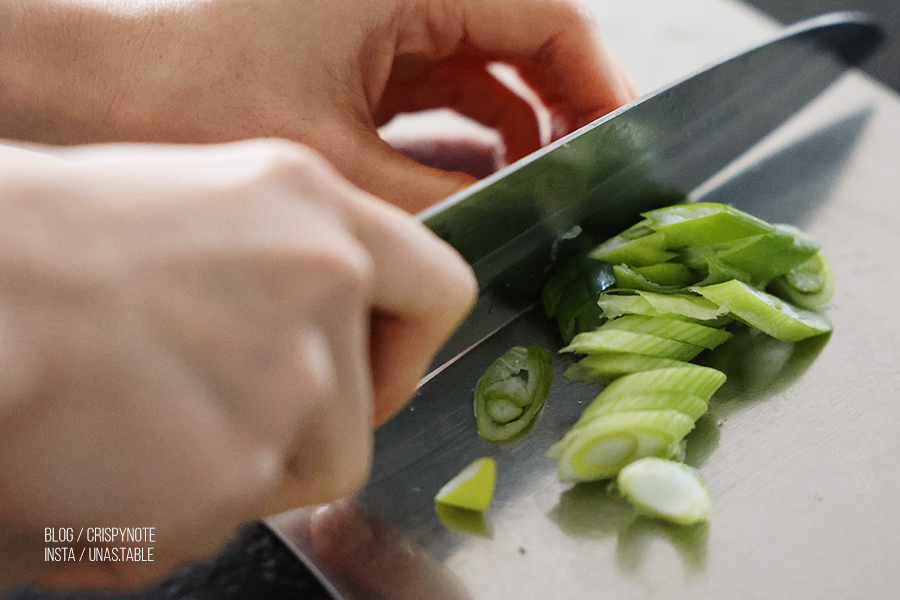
column 654, row 297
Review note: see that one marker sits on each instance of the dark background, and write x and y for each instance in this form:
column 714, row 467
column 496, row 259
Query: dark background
column 885, row 65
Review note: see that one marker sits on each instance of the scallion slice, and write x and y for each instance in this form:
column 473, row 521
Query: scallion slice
column 611, row 340
column 688, row 306
column 809, row 285
column 511, row 392
column 601, row 368
column 686, row 403
column 600, row 448
column 766, row 312
column 704, row 224
column 669, row 490
column 671, row 329
column 472, row 488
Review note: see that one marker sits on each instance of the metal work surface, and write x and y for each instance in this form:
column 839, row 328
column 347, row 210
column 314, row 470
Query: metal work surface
column 801, row 446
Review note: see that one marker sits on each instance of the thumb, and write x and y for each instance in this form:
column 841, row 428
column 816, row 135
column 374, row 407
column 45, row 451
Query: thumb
column 385, row 172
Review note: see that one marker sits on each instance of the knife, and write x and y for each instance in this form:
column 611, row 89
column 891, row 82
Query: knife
column 516, row 226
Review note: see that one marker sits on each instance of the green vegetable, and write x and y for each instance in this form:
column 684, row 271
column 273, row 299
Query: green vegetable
column 766, row 312
column 704, row 224
column 638, row 246
column 472, row 488
column 601, row 368
column 694, row 379
column 571, row 295
column 685, row 306
column 671, row 329
column 809, row 285
column 684, row 402
column 511, row 393
column 601, row 447
column 665, row 489
column 610, row 340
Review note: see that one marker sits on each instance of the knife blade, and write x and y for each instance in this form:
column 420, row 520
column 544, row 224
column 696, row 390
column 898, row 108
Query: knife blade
column 516, row 226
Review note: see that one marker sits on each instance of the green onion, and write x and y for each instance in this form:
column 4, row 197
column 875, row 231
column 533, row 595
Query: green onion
column 766, row 312
column 686, row 403
column 472, row 488
column 671, row 329
column 809, row 285
column 670, row 273
column 666, row 489
column 637, row 245
column 689, row 306
column 693, row 379
column 602, row 340
column 601, row 368
column 601, row 447
column 704, row 224
column 511, row 393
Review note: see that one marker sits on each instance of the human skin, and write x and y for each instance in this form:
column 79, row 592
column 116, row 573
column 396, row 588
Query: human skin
column 195, row 350
column 327, row 74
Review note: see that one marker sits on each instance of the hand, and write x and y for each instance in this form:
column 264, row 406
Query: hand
column 325, row 73
column 194, row 336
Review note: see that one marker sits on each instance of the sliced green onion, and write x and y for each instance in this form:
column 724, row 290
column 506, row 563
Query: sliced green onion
column 693, row 379
column 704, row 224
column 670, row 273
column 754, row 260
column 809, row 285
column 670, row 329
column 687, row 404
column 580, row 279
column 601, row 368
column 688, row 306
column 599, row 449
column 666, row 489
column 472, row 488
column 627, row 278
column 766, row 312
column 511, row 393
column 637, row 246
column 601, row 340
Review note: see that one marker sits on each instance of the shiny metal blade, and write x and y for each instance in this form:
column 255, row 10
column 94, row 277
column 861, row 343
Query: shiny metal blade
column 516, row 225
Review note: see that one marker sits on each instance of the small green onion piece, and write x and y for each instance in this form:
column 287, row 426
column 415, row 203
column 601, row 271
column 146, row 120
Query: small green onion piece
column 687, row 404
column 670, row 273
column 682, row 306
column 600, row 340
column 580, row 279
column 766, row 312
column 666, row 489
column 637, row 246
column 755, row 260
column 472, row 488
column 511, row 393
column 599, row 449
column 627, row 278
column 587, row 317
column 670, row 329
column 704, row 224
column 810, row 285
column 601, row 368
column 693, row 379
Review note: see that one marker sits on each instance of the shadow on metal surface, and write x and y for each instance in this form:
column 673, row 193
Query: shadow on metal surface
column 787, row 186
